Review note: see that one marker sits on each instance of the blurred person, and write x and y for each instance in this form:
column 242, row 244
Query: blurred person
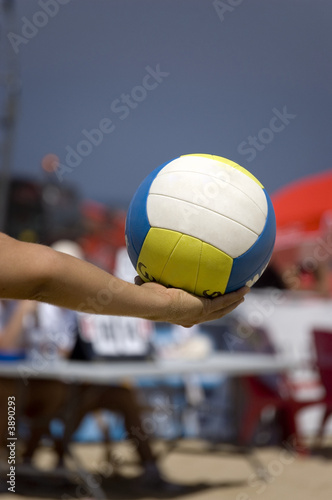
column 49, row 331
column 49, row 334
column 40, row 333
column 306, row 276
column 271, row 278
column 314, row 266
column 38, row 329
column 305, row 264
column 118, row 398
column 33, row 400
column 12, row 313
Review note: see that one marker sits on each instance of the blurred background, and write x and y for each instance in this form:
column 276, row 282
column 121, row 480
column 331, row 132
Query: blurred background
column 224, row 72
column 95, row 95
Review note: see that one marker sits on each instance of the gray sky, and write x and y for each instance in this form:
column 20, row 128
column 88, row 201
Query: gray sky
column 250, row 82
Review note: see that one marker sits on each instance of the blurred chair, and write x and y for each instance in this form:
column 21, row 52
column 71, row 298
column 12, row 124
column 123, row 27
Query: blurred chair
column 259, row 396
column 269, row 391
column 323, row 345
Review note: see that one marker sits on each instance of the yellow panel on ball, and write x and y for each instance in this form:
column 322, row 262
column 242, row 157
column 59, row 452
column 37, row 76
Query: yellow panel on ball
column 181, row 269
column 156, row 249
column 181, row 261
column 214, row 271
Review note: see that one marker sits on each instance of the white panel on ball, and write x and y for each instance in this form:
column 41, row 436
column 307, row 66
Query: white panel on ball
column 221, row 171
column 213, row 194
column 225, row 234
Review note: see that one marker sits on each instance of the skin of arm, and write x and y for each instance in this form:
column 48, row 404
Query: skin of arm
column 36, row 272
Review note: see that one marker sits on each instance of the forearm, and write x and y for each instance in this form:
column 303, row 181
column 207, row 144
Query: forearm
column 37, row 272
column 87, row 288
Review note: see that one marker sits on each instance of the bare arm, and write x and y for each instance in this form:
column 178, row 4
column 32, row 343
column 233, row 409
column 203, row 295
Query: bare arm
column 36, row 272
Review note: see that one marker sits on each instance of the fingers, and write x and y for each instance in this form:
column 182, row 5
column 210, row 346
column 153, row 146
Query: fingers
column 138, row 281
column 226, row 304
column 223, row 302
column 219, row 307
column 182, row 308
column 217, row 314
column 226, row 310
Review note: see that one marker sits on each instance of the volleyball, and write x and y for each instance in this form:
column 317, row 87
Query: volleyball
column 201, row 223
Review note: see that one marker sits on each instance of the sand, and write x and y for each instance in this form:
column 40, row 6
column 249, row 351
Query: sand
column 207, row 475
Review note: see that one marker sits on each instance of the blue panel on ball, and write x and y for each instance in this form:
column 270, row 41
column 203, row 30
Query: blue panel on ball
column 137, row 223
column 251, row 263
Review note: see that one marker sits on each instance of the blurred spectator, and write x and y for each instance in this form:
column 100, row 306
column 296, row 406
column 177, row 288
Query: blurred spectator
column 12, row 313
column 32, row 399
column 42, row 334
column 271, row 278
column 49, row 331
column 177, row 342
column 118, row 338
column 314, row 266
column 47, row 334
column 35, row 330
column 303, row 265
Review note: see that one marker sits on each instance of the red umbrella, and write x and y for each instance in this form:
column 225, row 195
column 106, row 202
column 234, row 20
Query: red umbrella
column 304, row 231
column 304, row 207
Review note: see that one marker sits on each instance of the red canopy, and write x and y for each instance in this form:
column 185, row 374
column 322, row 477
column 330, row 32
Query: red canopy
column 304, row 205
column 304, row 225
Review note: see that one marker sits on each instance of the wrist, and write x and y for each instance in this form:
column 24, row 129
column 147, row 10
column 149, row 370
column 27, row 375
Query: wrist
column 155, row 303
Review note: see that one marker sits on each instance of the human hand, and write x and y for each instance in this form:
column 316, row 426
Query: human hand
column 185, row 309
